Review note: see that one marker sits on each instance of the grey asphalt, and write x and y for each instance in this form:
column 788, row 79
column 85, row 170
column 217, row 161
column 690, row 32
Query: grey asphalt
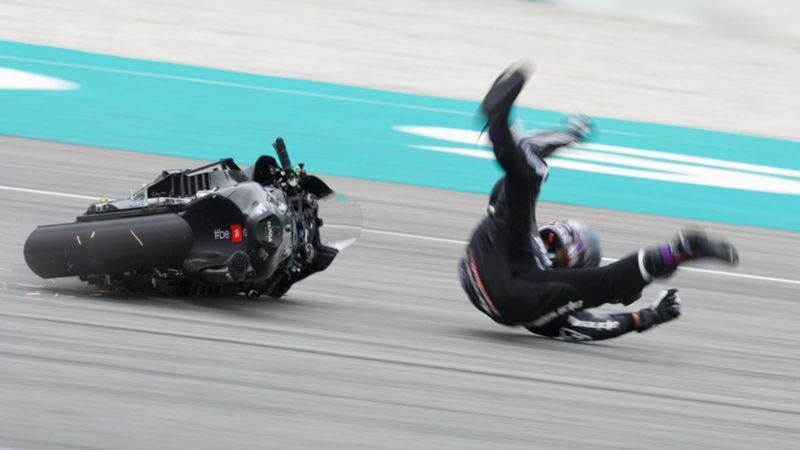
column 382, row 350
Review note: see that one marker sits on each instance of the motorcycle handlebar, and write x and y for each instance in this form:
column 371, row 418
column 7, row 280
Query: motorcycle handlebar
column 283, row 155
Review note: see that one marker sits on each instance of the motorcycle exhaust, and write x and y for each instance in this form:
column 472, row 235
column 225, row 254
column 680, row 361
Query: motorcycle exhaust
column 108, row 246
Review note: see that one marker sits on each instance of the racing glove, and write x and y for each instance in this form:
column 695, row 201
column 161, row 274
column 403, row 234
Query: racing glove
column 666, row 307
column 580, row 126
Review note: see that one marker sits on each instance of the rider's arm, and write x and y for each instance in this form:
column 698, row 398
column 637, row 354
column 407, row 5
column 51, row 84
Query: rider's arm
column 519, row 159
column 588, row 326
column 545, row 143
column 524, row 159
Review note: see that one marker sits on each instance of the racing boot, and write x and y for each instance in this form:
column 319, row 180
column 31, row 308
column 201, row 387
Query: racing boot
column 688, row 245
column 496, row 105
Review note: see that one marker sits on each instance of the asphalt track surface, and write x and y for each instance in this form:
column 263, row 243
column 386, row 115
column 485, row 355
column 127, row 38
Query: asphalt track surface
column 382, row 350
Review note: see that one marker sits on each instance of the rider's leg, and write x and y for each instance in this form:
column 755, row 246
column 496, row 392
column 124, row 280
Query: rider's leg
column 515, row 200
column 612, row 283
column 688, row 245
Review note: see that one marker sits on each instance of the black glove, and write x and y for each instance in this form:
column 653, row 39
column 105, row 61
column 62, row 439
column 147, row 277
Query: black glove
column 666, row 307
column 580, row 126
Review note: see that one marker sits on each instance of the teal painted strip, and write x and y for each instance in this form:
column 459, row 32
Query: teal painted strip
column 205, row 113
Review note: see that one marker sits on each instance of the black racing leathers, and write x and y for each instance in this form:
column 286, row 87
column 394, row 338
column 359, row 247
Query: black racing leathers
column 590, row 326
column 502, row 273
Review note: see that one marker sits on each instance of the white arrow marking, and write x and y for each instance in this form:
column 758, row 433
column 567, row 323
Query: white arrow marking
column 634, row 163
column 19, row 80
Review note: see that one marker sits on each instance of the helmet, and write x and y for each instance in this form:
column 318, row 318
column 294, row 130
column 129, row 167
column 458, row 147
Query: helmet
column 580, row 244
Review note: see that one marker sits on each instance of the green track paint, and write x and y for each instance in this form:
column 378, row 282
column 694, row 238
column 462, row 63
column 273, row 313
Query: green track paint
column 194, row 112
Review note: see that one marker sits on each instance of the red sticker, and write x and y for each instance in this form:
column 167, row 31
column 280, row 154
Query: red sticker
column 236, row 233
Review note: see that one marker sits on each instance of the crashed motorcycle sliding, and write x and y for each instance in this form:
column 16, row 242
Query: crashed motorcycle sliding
column 211, row 231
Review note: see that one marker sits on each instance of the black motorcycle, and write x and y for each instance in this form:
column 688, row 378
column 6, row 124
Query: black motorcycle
column 211, row 231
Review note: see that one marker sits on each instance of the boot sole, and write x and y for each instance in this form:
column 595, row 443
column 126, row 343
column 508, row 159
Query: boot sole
column 503, row 92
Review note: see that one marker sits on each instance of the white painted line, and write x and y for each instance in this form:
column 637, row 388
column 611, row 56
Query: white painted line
column 415, row 236
column 38, row 191
column 682, row 268
column 627, row 162
column 3, row 269
column 295, row 92
column 341, row 245
column 240, row 86
column 740, row 275
column 719, row 163
column 306, row 94
column 278, row 90
column 454, row 241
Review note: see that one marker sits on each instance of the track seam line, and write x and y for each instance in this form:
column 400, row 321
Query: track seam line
column 687, row 269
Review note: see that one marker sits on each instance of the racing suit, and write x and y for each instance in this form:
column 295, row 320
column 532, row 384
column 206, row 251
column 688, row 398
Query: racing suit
column 506, row 272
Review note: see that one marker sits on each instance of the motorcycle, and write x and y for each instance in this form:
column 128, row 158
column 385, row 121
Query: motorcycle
column 215, row 230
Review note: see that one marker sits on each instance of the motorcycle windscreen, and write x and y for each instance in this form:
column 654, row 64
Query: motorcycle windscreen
column 342, row 221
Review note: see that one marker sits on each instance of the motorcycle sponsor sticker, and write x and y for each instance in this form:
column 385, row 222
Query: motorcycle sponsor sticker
column 259, row 209
column 234, row 233
column 269, row 232
column 221, row 235
column 596, row 325
column 560, row 311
